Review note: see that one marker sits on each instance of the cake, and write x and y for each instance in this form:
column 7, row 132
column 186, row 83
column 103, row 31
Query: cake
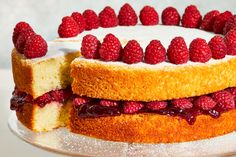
column 144, row 83
column 40, row 78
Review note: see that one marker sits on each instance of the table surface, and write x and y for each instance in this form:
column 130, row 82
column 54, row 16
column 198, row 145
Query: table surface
column 11, row 145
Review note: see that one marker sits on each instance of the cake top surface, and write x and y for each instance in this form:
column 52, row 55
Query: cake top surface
column 143, row 34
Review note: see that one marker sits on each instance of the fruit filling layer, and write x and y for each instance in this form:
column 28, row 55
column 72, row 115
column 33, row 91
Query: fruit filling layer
column 20, row 98
column 187, row 108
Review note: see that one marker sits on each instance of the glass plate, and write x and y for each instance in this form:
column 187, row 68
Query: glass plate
column 64, row 142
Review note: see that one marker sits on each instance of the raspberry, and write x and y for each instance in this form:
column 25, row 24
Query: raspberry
column 177, row 51
column 35, row 47
column 43, row 100
column 155, row 52
column 232, row 90
column 127, row 16
column 109, row 103
column 170, row 16
column 218, row 47
column 199, row 51
column 20, row 26
column 224, row 99
column 80, row 101
column 59, row 95
column 205, row 103
column 108, row 17
column 133, row 53
column 22, row 38
column 156, row 105
column 230, row 41
column 110, row 48
column 220, row 21
column 230, row 24
column 79, row 19
column 91, row 19
column 208, row 20
column 68, row 28
column 183, row 103
column 148, row 16
column 132, row 107
column 191, row 17
column 90, row 46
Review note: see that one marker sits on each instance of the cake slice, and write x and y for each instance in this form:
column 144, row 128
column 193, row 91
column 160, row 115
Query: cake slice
column 41, row 75
column 42, row 95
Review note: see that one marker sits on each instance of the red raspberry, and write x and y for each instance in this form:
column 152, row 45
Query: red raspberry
column 68, row 28
column 110, row 48
column 43, row 100
column 232, row 90
column 177, row 51
column 155, row 52
column 91, row 19
column 230, row 24
column 230, row 41
column 80, row 101
column 224, row 99
column 199, row 51
column 58, row 95
column 109, row 103
column 218, row 47
column 220, row 21
column 127, row 16
column 191, row 99
column 108, row 17
column 133, row 53
column 79, row 19
column 183, row 103
column 148, row 16
column 170, row 16
column 156, row 105
column 22, row 38
column 35, row 47
column 20, row 26
column 132, row 107
column 90, row 46
column 205, row 103
column 208, row 20
column 191, row 17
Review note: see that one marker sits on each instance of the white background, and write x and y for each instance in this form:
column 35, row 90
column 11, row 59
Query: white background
column 45, row 16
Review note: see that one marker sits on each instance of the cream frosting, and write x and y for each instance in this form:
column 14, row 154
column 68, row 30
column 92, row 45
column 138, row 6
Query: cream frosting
column 143, row 34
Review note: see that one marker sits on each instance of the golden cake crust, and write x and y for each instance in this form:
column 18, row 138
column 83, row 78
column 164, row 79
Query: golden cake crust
column 152, row 128
column 98, row 79
column 38, row 78
column 25, row 116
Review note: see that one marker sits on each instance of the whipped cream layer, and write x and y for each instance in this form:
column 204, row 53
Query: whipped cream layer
column 143, row 34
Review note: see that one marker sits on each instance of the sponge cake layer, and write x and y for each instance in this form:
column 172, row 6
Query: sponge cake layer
column 36, row 77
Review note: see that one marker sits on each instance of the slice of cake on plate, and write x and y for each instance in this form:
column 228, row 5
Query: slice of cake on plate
column 42, row 80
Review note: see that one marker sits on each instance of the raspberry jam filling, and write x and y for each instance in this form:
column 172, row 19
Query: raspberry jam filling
column 20, row 98
column 213, row 104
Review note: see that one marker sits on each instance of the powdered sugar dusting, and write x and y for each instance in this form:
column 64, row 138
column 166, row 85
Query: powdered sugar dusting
column 143, row 34
column 143, row 65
